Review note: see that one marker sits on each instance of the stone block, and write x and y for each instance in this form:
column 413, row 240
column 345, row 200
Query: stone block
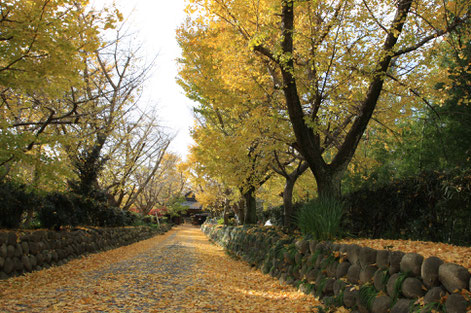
column 353, row 274
column 381, row 304
column 429, row 271
column 342, row 269
column 411, row 263
column 395, row 258
column 391, row 285
column 350, row 297
column 434, row 295
column 401, row 306
column 455, row 303
column 353, row 254
column 453, row 277
column 10, row 251
column 12, row 238
column 367, row 256
column 382, row 259
column 366, row 274
column 25, row 247
column 412, row 288
column 379, row 280
column 3, row 250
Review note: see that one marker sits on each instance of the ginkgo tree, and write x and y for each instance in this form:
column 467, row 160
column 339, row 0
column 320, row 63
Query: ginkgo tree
column 336, row 64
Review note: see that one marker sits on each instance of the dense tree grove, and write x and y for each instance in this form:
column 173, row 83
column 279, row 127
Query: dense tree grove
column 75, row 143
column 360, row 92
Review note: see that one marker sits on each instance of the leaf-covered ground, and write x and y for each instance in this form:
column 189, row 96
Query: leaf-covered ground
column 176, row 272
column 446, row 252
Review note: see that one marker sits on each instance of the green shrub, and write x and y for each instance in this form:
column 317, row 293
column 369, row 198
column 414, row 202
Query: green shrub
column 321, row 218
column 58, row 210
column 432, row 206
column 14, row 200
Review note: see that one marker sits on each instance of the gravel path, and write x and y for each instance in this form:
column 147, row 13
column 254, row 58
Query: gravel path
column 176, row 272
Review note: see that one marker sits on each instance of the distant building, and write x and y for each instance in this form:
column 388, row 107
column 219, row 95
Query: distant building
column 193, row 206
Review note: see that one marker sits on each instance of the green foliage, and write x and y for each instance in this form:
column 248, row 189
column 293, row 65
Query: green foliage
column 58, row 210
column 432, row 206
column 321, row 218
column 14, row 200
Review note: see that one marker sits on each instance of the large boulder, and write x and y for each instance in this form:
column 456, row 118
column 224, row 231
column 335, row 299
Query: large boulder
column 411, row 263
column 456, row 303
column 367, row 256
column 412, row 288
column 381, row 304
column 453, row 277
column 395, row 258
column 429, row 271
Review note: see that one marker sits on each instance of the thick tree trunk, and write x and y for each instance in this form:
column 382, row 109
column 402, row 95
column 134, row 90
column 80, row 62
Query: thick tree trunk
column 329, row 185
column 289, row 216
column 250, row 207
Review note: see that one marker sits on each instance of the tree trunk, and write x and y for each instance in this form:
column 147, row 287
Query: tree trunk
column 289, row 218
column 329, row 184
column 250, row 207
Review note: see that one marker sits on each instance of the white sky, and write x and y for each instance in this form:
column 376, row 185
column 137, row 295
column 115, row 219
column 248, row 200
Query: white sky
column 155, row 22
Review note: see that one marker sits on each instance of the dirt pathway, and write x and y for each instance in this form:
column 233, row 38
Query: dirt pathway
column 176, row 272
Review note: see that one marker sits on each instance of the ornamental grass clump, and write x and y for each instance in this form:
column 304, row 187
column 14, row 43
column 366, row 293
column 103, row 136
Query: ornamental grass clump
column 320, row 218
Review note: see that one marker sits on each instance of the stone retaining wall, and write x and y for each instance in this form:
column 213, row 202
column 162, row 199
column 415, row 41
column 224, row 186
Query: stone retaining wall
column 26, row 251
column 359, row 278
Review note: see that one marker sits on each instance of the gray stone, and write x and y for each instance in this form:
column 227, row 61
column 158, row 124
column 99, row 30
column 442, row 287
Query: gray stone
column 453, row 276
column 312, row 246
column 12, row 238
column 401, row 306
column 302, row 246
column 3, row 250
column 342, row 269
column 353, row 274
column 412, row 288
column 429, row 271
column 367, row 256
column 395, row 258
column 2, row 261
column 350, row 296
column 366, row 274
column 18, row 264
column 381, row 304
column 10, row 251
column 9, row 266
column 390, row 286
column 411, row 263
column 3, row 238
column 434, row 295
column 379, row 280
column 26, row 263
column 25, row 247
column 3, row 275
column 382, row 259
column 311, row 275
column 455, row 303
column 33, row 260
column 328, row 289
column 353, row 254
column 332, row 269
column 18, row 250
column 339, row 285
column 34, row 248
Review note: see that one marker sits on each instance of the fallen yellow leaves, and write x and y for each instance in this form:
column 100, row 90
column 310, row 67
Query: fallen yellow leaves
column 176, row 272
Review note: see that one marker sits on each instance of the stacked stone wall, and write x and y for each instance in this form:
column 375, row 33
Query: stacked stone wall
column 26, row 251
column 359, row 278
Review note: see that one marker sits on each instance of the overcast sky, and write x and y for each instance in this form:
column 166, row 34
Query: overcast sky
column 155, row 22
